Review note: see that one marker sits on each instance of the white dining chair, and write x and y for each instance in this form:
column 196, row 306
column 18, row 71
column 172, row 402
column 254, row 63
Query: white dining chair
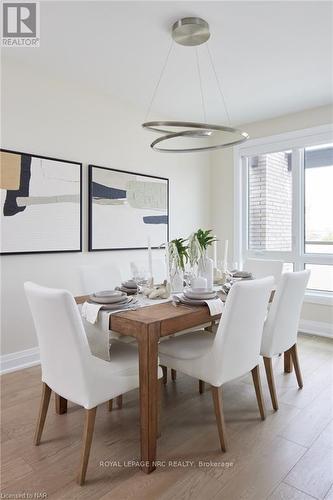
column 280, row 329
column 68, row 367
column 96, row 278
column 232, row 352
column 261, row 268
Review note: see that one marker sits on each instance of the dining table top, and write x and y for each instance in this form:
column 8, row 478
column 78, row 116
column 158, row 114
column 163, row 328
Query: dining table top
column 171, row 317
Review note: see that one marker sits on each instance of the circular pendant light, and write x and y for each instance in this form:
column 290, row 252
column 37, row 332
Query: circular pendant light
column 191, row 32
column 203, row 131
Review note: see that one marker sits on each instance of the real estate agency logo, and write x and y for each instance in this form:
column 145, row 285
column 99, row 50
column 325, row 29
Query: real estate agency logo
column 20, row 24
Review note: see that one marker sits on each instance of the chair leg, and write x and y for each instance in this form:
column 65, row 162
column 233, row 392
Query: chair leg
column 271, row 382
column 173, row 374
column 294, row 357
column 88, row 431
column 60, row 405
column 257, row 385
column 210, row 327
column 119, row 401
column 288, row 366
column 218, row 407
column 165, row 374
column 44, row 404
column 201, row 386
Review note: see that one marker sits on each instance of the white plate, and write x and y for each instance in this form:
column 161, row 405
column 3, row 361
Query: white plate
column 199, row 290
column 195, row 294
column 107, row 293
column 119, row 299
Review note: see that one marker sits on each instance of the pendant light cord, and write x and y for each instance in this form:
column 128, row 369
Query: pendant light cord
column 159, row 80
column 218, row 84
column 201, row 90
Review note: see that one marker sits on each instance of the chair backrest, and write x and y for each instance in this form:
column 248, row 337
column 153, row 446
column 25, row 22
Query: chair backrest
column 63, row 345
column 237, row 341
column 280, row 330
column 261, row 268
column 97, row 278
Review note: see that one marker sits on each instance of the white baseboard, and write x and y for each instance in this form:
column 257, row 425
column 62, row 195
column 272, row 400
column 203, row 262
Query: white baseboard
column 319, row 328
column 19, row 360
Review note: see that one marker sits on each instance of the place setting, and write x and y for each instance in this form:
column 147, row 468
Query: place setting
column 197, row 293
column 112, row 299
column 109, row 301
column 129, row 287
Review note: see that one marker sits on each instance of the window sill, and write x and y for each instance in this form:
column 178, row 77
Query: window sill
column 323, row 298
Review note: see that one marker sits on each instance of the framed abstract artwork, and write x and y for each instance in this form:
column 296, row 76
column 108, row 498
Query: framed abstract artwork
column 41, row 200
column 126, row 209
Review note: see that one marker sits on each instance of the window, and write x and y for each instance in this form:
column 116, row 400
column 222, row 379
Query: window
column 318, row 165
column 321, row 277
column 284, row 203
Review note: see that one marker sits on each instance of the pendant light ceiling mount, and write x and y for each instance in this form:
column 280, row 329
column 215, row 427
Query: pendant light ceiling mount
column 192, row 32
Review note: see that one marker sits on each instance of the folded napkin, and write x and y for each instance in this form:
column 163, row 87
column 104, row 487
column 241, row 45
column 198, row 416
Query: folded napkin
column 90, row 311
column 215, row 306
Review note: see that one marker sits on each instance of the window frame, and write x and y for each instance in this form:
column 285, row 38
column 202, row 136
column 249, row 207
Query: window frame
column 295, row 141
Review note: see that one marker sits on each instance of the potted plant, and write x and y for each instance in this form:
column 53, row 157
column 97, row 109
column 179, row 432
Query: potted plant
column 198, row 244
column 177, row 257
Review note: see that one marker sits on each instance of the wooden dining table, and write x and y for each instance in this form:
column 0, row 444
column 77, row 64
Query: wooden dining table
column 148, row 325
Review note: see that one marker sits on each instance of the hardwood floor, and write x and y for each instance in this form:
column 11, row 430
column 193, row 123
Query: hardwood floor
column 287, row 456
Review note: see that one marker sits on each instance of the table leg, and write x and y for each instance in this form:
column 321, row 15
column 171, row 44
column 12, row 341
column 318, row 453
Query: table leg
column 148, row 358
column 60, row 404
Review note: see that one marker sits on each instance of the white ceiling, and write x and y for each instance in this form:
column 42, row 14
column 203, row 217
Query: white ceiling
column 272, row 58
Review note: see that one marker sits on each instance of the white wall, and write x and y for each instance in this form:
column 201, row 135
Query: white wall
column 222, row 183
column 50, row 118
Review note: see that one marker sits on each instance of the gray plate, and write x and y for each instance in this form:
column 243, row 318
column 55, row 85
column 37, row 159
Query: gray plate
column 115, row 307
column 192, row 302
column 109, row 300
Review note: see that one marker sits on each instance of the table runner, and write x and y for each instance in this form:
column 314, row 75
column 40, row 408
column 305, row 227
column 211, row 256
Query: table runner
column 100, row 336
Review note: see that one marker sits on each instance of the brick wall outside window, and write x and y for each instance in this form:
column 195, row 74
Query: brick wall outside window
column 270, row 202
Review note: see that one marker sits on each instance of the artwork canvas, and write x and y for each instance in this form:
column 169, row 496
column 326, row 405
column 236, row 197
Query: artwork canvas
column 126, row 209
column 40, row 204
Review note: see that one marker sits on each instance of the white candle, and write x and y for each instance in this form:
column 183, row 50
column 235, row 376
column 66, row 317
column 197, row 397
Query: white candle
column 198, row 282
column 225, row 258
column 215, row 253
column 150, row 259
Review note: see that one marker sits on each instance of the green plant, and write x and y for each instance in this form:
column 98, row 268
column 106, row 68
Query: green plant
column 205, row 238
column 178, row 255
column 198, row 243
